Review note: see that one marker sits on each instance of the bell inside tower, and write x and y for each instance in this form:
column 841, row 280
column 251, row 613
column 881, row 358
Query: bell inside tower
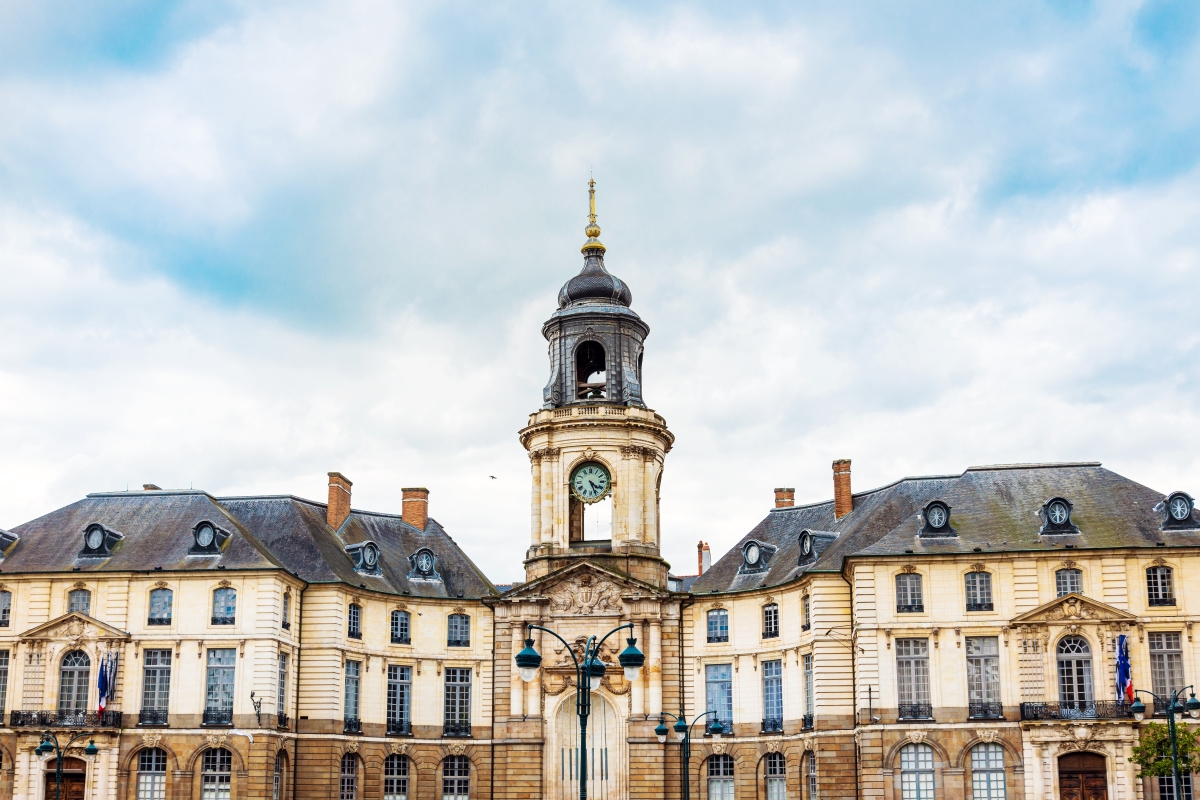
column 591, row 376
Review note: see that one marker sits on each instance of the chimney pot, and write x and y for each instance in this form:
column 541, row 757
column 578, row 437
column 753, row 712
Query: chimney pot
column 843, row 500
column 338, row 508
column 785, row 498
column 414, row 509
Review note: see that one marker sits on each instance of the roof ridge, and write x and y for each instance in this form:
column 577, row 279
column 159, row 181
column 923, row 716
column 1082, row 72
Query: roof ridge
column 270, row 497
column 1033, row 465
column 143, row 493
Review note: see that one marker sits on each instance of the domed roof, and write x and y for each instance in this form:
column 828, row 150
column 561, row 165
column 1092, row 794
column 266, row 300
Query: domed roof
column 594, row 282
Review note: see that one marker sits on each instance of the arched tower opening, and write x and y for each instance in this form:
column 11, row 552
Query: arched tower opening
column 591, row 374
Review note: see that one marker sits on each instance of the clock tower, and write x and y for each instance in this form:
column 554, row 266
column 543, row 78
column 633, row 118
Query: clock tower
column 596, row 450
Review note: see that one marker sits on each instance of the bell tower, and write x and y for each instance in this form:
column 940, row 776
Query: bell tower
column 594, row 445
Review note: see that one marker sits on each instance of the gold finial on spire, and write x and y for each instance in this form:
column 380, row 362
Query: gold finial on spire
column 592, row 230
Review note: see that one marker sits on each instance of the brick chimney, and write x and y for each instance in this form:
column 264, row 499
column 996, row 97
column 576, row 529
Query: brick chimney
column 843, row 501
column 414, row 509
column 339, row 500
column 785, row 498
column 703, row 557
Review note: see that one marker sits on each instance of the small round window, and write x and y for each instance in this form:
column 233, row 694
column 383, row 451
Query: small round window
column 1180, row 507
column 806, row 544
column 370, row 555
column 95, row 538
column 204, row 535
column 1058, row 512
column 753, row 553
column 937, row 516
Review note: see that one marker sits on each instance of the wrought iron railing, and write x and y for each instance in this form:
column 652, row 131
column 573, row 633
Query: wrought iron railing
column 1160, row 707
column 1162, row 601
column 352, row 725
column 917, row 608
column 979, row 606
column 152, row 716
column 718, row 638
column 985, row 710
column 158, row 621
column 287, row 626
column 218, row 716
column 808, row 722
column 281, row 720
column 458, row 642
column 399, row 727
column 772, row 726
column 771, row 633
column 806, row 626
column 354, row 634
column 915, row 711
column 224, row 620
column 457, row 729
column 64, row 719
column 726, row 725
column 1100, row 709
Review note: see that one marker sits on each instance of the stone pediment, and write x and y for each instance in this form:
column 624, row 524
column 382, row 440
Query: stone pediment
column 74, row 627
column 1073, row 608
column 584, row 589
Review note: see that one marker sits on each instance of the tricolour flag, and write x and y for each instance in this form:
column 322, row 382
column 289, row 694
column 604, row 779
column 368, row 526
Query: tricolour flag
column 1124, row 673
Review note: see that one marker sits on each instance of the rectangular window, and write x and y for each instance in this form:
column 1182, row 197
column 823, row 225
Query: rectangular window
column 80, row 600
column 160, row 607
column 218, row 697
column 281, row 695
column 1160, row 587
column 983, row 676
column 770, row 621
column 287, row 610
column 979, row 591
column 916, row 772
column 354, row 621
column 395, row 778
column 458, row 631
column 399, row 699
column 1068, row 581
column 353, row 675
column 1166, row 663
column 400, row 628
column 718, row 685
column 1166, row 787
column 224, row 610
column 776, row 777
column 912, row 678
column 3, row 681
column 810, row 700
column 909, row 599
column 5, row 609
column 458, row 701
column 156, row 680
column 806, row 618
column 772, row 696
column 718, row 625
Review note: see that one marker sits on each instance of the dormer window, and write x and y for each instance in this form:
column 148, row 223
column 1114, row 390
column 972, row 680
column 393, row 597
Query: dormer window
column 365, row 556
column 756, row 556
column 7, row 540
column 98, row 542
column 424, row 565
column 806, row 546
column 208, row 539
column 1056, row 517
column 1179, row 508
column 937, row 520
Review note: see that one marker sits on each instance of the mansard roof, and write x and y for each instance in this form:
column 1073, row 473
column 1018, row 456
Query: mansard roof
column 993, row 509
column 267, row 532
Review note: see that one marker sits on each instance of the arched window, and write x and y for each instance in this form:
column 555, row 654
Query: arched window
column 401, row 628
column 395, row 777
column 224, row 610
column 152, row 774
column 776, row 777
column 349, row 777
column 1075, row 676
column 1068, row 581
column 160, row 607
column 456, row 778
column 770, row 621
column 810, row 773
column 73, row 682
column 909, row 598
column 720, row 777
column 5, row 609
column 916, row 772
column 987, row 772
column 459, row 631
column 216, row 776
column 591, row 377
column 79, row 600
column 277, row 778
column 979, row 591
column 354, row 621
column 1160, row 586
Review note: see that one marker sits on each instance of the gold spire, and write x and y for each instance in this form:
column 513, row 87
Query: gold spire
column 592, row 230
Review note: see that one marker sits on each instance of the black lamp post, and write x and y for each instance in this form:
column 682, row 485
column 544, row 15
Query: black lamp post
column 46, row 747
column 588, row 674
column 684, row 731
column 1175, row 708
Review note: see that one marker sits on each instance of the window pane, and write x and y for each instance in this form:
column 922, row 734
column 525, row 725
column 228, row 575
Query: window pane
column 219, row 692
column 160, row 605
column 719, row 691
column 772, row 690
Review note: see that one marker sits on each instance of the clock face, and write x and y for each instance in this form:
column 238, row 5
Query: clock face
column 425, row 562
column 1181, row 509
column 753, row 553
column 370, row 555
column 937, row 516
column 590, row 482
column 95, row 538
column 806, row 544
column 204, row 536
column 1058, row 512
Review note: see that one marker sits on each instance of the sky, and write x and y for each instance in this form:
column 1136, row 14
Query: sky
column 245, row 244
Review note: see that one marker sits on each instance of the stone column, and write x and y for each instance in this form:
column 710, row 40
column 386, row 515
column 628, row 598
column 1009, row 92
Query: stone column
column 1038, row 773
column 548, row 475
column 631, row 466
column 649, row 469
column 516, row 689
column 656, row 689
column 535, row 511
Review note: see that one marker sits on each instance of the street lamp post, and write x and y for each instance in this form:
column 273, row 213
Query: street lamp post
column 46, row 747
column 1174, row 709
column 684, row 733
column 588, row 674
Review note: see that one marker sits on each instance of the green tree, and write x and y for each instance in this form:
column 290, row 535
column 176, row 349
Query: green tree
column 1153, row 751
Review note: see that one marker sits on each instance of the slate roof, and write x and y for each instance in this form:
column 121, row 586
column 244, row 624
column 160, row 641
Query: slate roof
column 993, row 508
column 271, row 532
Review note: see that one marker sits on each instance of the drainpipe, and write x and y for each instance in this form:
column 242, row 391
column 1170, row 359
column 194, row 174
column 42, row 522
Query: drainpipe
column 296, row 713
column 854, row 685
column 685, row 604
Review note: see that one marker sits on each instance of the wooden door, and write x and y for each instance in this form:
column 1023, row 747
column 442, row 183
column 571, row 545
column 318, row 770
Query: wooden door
column 1082, row 776
column 72, row 787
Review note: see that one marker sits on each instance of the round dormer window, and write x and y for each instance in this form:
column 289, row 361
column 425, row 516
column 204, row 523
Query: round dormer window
column 753, row 554
column 204, row 535
column 937, row 516
column 806, row 544
column 1058, row 512
column 425, row 562
column 370, row 555
column 95, row 538
column 1180, row 507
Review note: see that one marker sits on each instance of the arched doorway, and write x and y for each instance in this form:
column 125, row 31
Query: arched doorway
column 1082, row 776
column 605, row 751
column 73, row 778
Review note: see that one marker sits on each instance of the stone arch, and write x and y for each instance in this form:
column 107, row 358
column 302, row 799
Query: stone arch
column 238, row 761
column 129, row 763
column 892, row 760
column 9, row 764
column 1010, row 752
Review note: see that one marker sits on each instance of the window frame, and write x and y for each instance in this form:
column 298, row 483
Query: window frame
column 914, row 772
column 458, row 630
column 977, row 586
column 151, row 618
column 718, row 633
column 399, row 699
column 354, row 621
column 772, row 695
column 456, row 785
column 150, row 780
column 1160, row 586
column 231, row 606
column 348, row 777
column 991, row 774
column 404, row 636
column 718, row 694
column 910, row 593
column 352, row 696
column 913, row 690
column 396, row 771
column 456, row 700
column 770, row 618
column 77, row 592
column 1065, row 575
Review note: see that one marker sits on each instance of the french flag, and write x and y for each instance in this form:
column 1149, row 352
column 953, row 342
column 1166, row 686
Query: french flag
column 1124, row 673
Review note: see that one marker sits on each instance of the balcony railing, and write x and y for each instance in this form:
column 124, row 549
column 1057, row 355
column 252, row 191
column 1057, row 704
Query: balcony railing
column 1100, row 709
column 985, row 710
column 152, row 716
column 399, row 727
column 772, row 726
column 726, row 724
column 918, row 608
column 158, row 621
column 1162, row 601
column 218, row 716
column 915, row 711
column 979, row 606
column 458, row 643
column 287, row 626
column 806, row 626
column 64, row 719
column 457, row 729
column 400, row 639
column 353, row 634
column 224, row 620
column 718, row 638
column 807, row 722
column 281, row 721
column 1160, row 707
column 352, row 725
column 771, row 633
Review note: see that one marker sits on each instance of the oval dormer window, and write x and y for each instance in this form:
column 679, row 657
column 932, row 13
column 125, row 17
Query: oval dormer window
column 937, row 516
column 806, row 544
column 205, row 535
column 1058, row 513
column 370, row 555
column 1179, row 507
column 95, row 538
column 753, row 554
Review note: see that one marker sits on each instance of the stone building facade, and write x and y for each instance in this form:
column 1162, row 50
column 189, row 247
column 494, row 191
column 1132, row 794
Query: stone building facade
column 940, row 637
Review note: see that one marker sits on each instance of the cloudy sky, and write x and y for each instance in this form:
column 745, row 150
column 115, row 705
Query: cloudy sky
column 243, row 244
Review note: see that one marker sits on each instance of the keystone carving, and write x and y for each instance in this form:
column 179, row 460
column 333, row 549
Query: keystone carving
column 773, row 746
column 719, row 748
column 352, row 746
column 217, row 740
column 160, row 584
column 151, row 739
column 916, row 737
column 988, row 736
column 224, row 584
column 978, row 568
column 457, row 749
column 398, row 748
column 908, row 569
